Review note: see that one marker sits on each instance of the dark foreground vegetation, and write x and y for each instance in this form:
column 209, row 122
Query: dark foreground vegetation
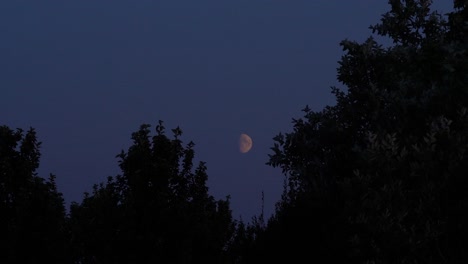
column 380, row 177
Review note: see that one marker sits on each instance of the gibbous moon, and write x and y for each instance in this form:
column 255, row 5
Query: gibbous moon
column 245, row 143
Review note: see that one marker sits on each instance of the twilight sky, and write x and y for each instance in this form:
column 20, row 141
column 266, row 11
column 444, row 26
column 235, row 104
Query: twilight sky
column 88, row 73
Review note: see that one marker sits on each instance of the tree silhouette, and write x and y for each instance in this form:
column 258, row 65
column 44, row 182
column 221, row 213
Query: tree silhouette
column 380, row 177
column 32, row 212
column 159, row 209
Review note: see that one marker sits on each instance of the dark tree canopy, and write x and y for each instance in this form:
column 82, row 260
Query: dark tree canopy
column 158, row 210
column 32, row 213
column 380, row 177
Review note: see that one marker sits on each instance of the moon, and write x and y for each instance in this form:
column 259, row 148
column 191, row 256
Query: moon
column 245, row 143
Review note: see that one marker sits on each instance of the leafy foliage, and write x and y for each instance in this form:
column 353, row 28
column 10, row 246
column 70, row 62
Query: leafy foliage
column 383, row 172
column 379, row 177
column 32, row 213
column 159, row 209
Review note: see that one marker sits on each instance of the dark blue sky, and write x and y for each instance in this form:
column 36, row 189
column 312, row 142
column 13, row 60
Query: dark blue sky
column 88, row 73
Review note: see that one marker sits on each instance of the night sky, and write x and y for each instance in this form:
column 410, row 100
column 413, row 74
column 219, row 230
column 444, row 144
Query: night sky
column 86, row 74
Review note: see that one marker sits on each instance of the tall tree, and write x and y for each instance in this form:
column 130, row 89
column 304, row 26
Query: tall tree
column 32, row 212
column 159, row 209
column 382, row 174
